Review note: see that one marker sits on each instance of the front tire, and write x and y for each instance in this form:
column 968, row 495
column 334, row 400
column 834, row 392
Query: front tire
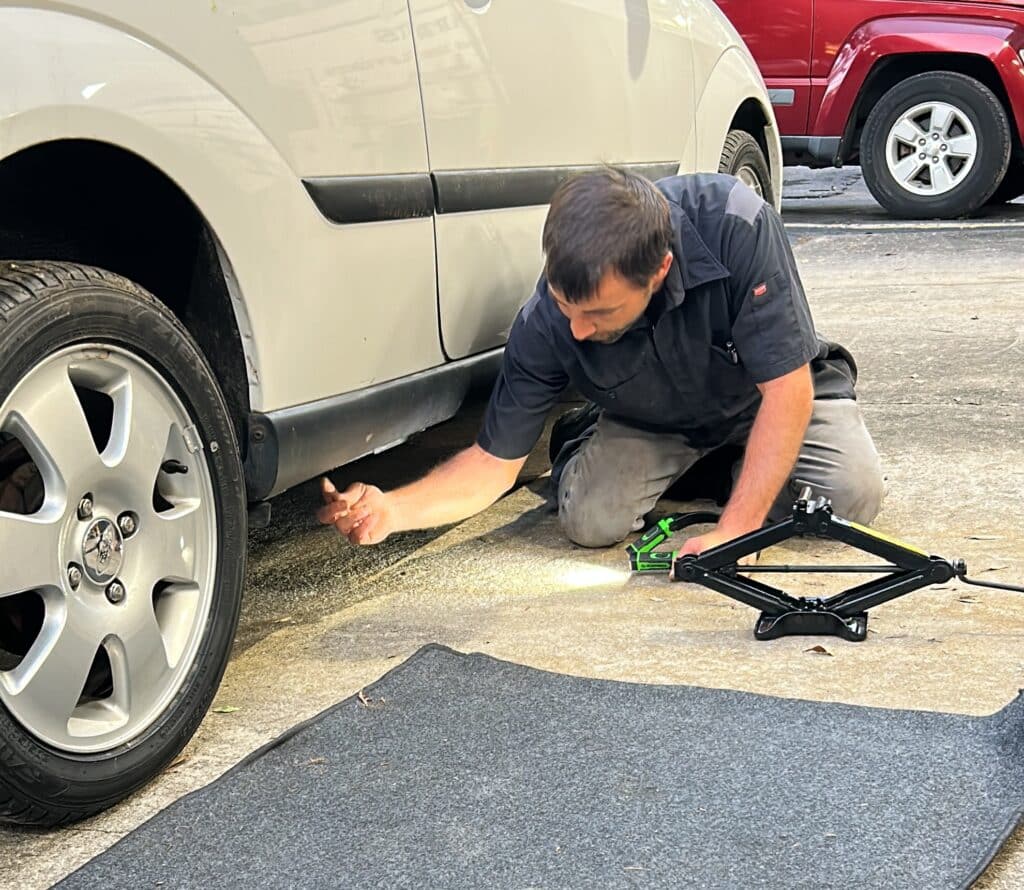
column 742, row 157
column 123, row 565
column 935, row 146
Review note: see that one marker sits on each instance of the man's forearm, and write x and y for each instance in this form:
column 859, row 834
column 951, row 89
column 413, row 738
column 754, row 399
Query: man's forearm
column 460, row 487
column 771, row 452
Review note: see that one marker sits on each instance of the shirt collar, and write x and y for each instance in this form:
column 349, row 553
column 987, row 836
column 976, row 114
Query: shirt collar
column 694, row 264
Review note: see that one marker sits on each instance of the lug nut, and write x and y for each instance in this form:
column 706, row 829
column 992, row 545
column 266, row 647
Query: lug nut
column 115, row 592
column 921, row 141
column 85, row 507
column 74, row 576
column 922, row 156
column 126, row 522
column 935, row 135
column 944, row 147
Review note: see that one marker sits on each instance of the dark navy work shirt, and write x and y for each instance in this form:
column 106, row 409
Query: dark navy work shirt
column 731, row 314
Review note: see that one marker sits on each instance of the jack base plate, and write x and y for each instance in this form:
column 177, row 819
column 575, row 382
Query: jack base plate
column 801, row 623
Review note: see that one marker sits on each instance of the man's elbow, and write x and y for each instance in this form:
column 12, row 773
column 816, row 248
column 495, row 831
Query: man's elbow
column 498, row 474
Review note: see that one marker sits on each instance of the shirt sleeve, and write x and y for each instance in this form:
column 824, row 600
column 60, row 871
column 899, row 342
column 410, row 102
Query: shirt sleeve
column 773, row 331
column 528, row 385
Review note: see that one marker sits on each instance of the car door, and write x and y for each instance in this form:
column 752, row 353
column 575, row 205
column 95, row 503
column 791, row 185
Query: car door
column 779, row 38
column 515, row 93
column 334, row 84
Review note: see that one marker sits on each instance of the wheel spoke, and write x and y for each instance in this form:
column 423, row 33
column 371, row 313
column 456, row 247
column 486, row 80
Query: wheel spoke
column 176, row 609
column 943, row 117
column 30, row 545
column 166, row 547
column 138, row 658
column 908, row 168
column 942, row 178
column 142, row 424
column 47, row 416
column 44, row 689
column 907, row 131
column 963, row 146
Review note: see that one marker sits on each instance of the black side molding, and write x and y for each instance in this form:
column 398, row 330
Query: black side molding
column 292, row 445
column 361, row 199
column 463, row 191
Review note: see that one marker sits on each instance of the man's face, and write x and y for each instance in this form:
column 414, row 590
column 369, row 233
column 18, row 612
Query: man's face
column 613, row 308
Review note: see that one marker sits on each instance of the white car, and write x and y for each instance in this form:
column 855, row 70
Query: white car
column 243, row 242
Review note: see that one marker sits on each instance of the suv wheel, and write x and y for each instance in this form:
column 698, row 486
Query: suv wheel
column 122, row 517
column 935, row 145
column 742, row 157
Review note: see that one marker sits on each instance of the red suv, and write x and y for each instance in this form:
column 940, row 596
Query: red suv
column 928, row 97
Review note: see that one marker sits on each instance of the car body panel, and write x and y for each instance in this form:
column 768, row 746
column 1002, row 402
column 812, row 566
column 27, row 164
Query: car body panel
column 779, row 37
column 503, row 88
column 479, row 301
column 836, row 21
column 330, row 83
column 245, row 103
column 321, row 300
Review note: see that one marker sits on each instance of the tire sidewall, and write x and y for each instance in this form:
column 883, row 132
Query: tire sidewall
column 1012, row 186
column 129, row 318
column 968, row 96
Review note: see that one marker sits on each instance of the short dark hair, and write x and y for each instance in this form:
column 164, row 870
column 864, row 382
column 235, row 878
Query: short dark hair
column 602, row 221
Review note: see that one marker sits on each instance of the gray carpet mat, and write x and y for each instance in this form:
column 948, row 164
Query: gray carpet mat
column 461, row 771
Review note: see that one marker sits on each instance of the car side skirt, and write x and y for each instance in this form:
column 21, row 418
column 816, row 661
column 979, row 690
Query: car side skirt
column 811, row 151
column 288, row 446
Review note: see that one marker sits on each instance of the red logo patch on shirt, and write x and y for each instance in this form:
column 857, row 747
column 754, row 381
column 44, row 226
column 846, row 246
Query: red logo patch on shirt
column 761, row 289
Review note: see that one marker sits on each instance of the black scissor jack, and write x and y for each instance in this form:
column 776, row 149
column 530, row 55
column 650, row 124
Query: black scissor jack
column 844, row 615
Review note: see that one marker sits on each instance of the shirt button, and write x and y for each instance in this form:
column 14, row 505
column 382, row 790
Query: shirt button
column 611, row 395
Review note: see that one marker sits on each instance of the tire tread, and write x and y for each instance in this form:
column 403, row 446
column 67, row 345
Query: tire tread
column 735, row 142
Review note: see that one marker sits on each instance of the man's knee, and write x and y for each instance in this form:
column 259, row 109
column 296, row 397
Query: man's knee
column 590, row 515
column 588, row 523
column 857, row 491
column 839, row 461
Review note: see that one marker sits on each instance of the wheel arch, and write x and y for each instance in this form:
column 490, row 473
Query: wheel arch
column 127, row 216
column 890, row 71
column 734, row 98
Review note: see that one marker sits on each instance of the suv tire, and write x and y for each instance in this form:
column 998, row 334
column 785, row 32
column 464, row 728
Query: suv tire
column 936, row 145
column 742, row 157
column 110, row 398
column 1012, row 186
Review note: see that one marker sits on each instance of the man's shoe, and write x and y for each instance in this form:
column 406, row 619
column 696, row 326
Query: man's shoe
column 571, row 425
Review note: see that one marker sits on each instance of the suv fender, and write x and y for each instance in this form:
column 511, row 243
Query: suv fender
column 997, row 41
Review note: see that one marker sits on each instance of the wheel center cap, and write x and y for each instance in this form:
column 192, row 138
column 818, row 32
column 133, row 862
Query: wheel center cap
column 102, row 551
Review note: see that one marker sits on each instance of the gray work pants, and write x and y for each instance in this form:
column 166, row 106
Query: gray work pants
column 619, row 472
